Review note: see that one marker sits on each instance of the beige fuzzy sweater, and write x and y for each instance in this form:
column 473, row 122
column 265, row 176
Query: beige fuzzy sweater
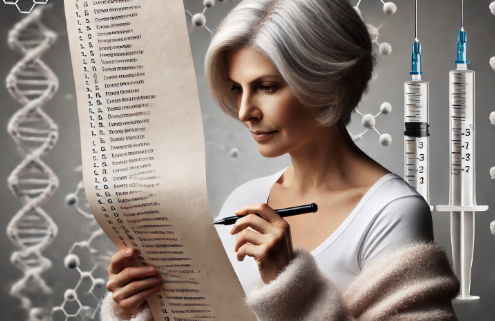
column 415, row 283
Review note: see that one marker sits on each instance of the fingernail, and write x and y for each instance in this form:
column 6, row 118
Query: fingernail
column 128, row 252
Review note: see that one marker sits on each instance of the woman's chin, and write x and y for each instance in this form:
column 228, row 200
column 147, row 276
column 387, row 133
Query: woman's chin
column 270, row 151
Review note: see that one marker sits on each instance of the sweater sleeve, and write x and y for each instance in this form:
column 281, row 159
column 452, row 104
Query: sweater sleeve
column 414, row 283
column 300, row 292
column 111, row 311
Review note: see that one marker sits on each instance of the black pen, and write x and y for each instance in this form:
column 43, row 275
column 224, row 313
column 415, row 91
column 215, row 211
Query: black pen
column 283, row 212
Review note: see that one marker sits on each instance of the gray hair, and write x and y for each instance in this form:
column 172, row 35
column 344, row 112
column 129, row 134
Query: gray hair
column 321, row 48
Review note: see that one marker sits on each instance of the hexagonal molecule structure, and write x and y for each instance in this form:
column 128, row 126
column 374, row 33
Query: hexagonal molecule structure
column 24, row 6
column 72, row 306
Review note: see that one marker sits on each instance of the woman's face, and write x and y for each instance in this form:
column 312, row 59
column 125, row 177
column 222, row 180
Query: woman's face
column 276, row 118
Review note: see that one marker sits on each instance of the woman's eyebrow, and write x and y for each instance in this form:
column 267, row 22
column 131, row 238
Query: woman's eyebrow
column 257, row 79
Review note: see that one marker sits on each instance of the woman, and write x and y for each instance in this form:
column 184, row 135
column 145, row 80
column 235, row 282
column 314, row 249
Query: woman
column 293, row 71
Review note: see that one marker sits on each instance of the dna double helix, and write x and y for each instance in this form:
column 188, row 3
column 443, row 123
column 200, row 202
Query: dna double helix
column 24, row 6
column 32, row 230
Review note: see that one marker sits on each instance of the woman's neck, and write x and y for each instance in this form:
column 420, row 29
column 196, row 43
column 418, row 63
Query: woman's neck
column 331, row 161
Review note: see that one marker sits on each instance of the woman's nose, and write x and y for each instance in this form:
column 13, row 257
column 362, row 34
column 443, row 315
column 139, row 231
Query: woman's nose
column 248, row 110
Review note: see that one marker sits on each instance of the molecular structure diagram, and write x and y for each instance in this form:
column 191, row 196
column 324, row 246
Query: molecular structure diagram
column 199, row 19
column 369, row 123
column 72, row 305
column 32, row 83
column 385, row 49
column 23, row 5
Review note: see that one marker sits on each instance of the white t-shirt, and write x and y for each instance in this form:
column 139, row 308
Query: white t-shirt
column 391, row 214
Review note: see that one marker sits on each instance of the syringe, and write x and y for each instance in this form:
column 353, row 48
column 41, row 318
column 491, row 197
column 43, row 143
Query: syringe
column 416, row 114
column 462, row 191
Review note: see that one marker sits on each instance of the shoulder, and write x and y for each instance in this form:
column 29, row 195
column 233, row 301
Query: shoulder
column 403, row 217
column 396, row 204
column 254, row 191
column 395, row 192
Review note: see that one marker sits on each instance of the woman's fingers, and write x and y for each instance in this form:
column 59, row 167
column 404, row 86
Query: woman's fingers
column 135, row 287
column 253, row 221
column 265, row 211
column 119, row 260
column 134, row 303
column 248, row 236
column 254, row 251
column 129, row 274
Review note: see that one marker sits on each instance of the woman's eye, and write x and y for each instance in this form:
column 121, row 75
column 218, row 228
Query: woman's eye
column 268, row 88
column 236, row 88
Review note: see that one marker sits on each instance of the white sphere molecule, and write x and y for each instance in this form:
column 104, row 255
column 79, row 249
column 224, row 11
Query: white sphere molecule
column 99, row 283
column 492, row 63
column 492, row 7
column 38, row 314
column 386, row 108
column 70, row 295
column 358, row 12
column 385, row 139
column 373, row 31
column 234, row 152
column 389, row 8
column 87, row 311
column 492, row 228
column 71, row 199
column 492, row 173
column 368, row 121
column 492, row 118
column 208, row 3
column 198, row 20
column 71, row 261
column 357, row 138
column 385, row 49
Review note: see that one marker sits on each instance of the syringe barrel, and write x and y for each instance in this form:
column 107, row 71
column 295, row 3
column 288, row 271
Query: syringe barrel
column 416, row 133
column 462, row 107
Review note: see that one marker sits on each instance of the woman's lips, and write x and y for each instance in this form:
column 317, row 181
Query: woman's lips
column 259, row 136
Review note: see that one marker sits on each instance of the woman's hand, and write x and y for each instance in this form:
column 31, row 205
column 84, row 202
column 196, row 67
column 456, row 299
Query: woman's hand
column 270, row 244
column 131, row 286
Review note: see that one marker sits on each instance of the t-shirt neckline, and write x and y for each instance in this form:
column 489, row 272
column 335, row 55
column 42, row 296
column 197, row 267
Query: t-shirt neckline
column 320, row 248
